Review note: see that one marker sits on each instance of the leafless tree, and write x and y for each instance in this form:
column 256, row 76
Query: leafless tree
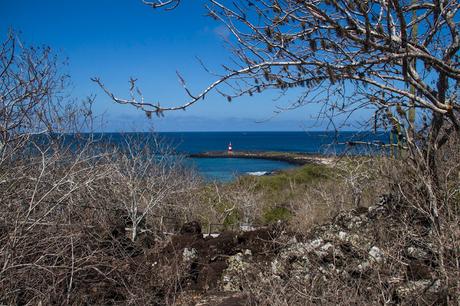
column 31, row 88
column 147, row 173
column 357, row 174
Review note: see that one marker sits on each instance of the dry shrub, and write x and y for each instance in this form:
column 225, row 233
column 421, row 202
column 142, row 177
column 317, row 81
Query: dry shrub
column 320, row 203
column 65, row 214
column 354, row 183
column 436, row 230
column 220, row 206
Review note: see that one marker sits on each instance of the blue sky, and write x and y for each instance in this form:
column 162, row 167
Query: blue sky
column 119, row 39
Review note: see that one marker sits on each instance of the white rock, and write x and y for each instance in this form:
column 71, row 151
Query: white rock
column 417, row 287
column 189, row 254
column 316, row 243
column 417, row 253
column 276, row 267
column 376, row 254
column 324, row 250
column 343, row 236
column 364, row 266
column 292, row 240
column 247, row 227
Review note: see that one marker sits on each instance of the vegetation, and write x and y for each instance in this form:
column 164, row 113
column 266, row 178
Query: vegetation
column 305, row 195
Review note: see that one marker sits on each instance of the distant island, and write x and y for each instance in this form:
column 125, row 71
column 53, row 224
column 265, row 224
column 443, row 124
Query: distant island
column 296, row 158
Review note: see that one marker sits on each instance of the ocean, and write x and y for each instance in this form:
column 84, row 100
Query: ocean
column 226, row 169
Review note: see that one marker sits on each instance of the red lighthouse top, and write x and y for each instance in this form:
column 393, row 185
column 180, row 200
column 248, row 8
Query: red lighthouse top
column 230, row 147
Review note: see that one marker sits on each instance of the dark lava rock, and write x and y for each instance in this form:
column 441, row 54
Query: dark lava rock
column 417, row 270
column 192, row 228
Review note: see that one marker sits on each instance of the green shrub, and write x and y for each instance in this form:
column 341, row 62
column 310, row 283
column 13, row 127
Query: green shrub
column 232, row 219
column 299, row 176
column 275, row 214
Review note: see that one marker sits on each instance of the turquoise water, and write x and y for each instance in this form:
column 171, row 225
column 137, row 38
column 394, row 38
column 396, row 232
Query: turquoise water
column 226, row 169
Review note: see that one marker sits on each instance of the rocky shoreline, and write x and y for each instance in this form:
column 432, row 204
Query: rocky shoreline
column 296, row 158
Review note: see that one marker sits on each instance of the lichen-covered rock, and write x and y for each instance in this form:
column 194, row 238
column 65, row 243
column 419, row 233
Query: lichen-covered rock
column 358, row 267
column 412, row 289
column 247, row 252
column 324, row 250
column 233, row 275
column 343, row 247
column 417, row 253
column 376, row 255
column 295, row 250
column 356, row 222
column 276, row 267
column 315, row 243
column 189, row 255
column 342, row 236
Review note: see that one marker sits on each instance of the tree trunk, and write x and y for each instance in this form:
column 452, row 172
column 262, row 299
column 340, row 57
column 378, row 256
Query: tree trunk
column 134, row 232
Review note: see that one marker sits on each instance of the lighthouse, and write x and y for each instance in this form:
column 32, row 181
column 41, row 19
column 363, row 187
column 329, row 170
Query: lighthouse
column 230, row 149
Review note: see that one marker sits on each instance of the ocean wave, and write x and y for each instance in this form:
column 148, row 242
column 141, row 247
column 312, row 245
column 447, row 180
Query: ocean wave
column 258, row 173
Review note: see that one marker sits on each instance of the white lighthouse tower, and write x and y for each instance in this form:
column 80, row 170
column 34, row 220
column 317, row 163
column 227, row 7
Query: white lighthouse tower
column 230, row 149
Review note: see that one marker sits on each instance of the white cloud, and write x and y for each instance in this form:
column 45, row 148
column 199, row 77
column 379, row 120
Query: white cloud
column 222, row 31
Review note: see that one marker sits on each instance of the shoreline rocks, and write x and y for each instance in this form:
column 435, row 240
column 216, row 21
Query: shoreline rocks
column 292, row 158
